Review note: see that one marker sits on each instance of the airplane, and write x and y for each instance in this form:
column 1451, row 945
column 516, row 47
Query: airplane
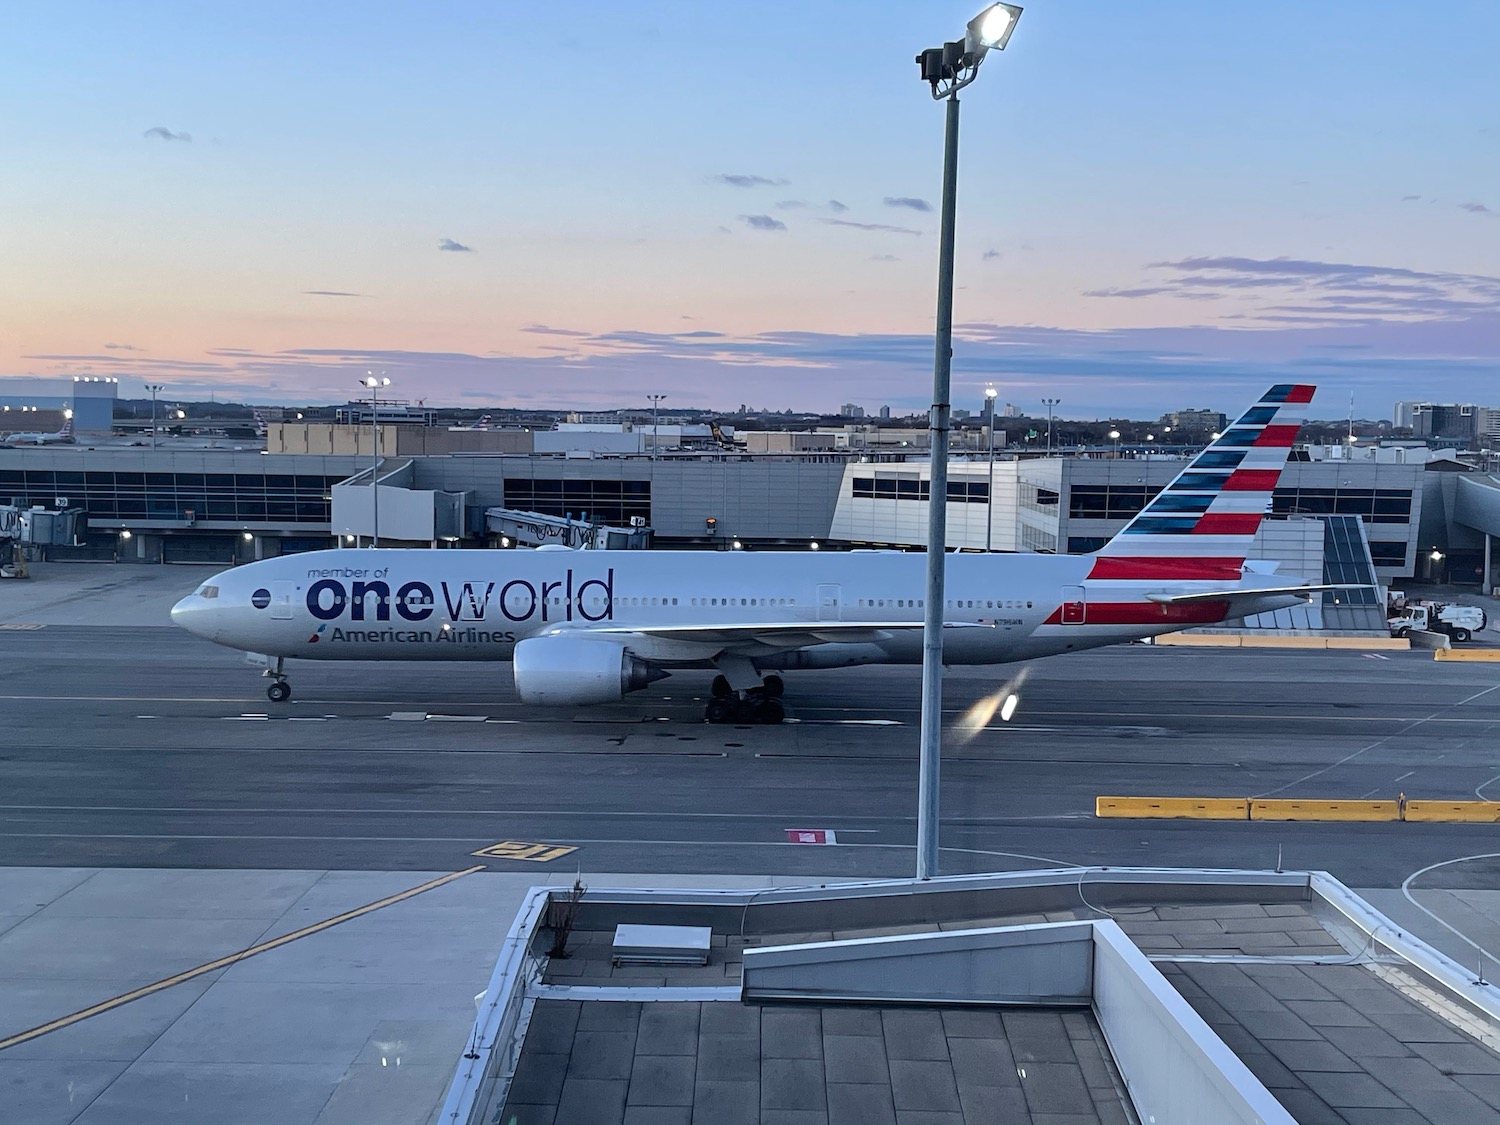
column 63, row 436
column 586, row 627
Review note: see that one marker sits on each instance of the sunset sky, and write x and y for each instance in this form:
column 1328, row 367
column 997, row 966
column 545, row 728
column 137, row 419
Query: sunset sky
column 1162, row 204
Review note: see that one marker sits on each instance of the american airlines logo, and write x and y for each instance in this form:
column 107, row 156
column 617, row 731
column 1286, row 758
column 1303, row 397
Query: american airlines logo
column 329, row 599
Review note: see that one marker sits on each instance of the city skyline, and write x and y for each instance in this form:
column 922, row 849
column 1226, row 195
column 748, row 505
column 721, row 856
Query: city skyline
column 1159, row 207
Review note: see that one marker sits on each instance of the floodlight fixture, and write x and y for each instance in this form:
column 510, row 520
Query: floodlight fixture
column 991, row 393
column 1114, row 435
column 990, row 29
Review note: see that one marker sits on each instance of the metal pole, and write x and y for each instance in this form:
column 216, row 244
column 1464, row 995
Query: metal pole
column 930, row 757
column 375, row 465
column 989, row 503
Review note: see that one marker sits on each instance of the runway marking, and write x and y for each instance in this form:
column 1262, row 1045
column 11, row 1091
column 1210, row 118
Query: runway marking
column 13, row 628
column 531, row 853
column 231, row 959
column 1407, row 729
column 1482, row 786
column 1455, row 931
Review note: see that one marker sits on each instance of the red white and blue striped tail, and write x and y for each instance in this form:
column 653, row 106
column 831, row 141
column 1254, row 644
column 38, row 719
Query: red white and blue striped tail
column 1199, row 527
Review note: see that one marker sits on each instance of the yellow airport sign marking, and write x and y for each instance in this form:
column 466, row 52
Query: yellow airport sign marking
column 531, row 853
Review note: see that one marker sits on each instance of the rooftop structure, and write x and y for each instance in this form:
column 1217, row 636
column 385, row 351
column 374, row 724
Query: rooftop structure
column 1079, row 996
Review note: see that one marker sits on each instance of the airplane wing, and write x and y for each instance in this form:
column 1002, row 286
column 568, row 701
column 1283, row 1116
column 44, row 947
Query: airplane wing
column 780, row 634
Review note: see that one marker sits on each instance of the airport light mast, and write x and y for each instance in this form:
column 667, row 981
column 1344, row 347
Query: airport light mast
column 374, row 383
column 990, row 394
column 155, row 389
column 947, row 70
column 1049, row 403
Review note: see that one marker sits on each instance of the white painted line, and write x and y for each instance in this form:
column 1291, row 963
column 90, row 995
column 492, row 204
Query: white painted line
column 408, row 716
column 455, row 718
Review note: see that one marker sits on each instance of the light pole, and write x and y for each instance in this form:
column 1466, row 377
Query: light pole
column 155, row 389
column 1049, row 403
column 989, row 490
column 947, row 70
column 1114, row 436
column 374, row 383
column 655, row 420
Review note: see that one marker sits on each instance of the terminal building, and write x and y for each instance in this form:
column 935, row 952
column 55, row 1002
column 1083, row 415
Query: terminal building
column 1415, row 520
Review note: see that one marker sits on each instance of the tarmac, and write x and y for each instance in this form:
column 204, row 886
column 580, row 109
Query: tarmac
column 160, row 815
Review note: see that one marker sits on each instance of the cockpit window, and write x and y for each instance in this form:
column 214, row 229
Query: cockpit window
column 209, row 592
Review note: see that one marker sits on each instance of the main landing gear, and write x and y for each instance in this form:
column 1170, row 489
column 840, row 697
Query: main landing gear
column 278, row 690
column 747, row 705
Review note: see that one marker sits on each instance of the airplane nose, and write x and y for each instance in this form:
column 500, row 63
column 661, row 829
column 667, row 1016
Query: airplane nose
column 191, row 614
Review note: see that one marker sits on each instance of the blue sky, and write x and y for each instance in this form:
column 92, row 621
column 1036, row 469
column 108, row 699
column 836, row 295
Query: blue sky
column 1162, row 204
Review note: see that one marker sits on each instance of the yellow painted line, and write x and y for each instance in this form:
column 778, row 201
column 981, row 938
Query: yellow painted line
column 225, row 962
column 1287, row 809
column 1480, row 655
column 531, row 853
column 1173, row 808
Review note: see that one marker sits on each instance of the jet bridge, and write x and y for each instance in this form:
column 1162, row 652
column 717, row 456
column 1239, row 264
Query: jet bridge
column 35, row 526
column 533, row 529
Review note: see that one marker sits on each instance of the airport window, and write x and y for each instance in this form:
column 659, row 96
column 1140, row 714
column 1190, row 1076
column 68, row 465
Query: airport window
column 1038, row 498
column 909, row 488
column 228, row 497
column 607, row 501
column 1384, row 505
column 1108, row 502
column 1388, row 554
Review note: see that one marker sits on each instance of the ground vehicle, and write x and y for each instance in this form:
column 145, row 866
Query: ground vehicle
column 1460, row 622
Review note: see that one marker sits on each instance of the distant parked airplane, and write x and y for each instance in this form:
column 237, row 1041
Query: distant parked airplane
column 589, row 626
column 63, row 436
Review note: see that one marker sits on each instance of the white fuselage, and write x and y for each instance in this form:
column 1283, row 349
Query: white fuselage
column 358, row 604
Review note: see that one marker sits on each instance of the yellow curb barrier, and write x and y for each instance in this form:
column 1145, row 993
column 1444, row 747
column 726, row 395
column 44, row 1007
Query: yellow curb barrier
column 1482, row 655
column 1273, row 809
column 1199, row 640
column 1453, row 812
column 1371, row 644
column 1239, row 640
column 1239, row 808
column 1173, row 808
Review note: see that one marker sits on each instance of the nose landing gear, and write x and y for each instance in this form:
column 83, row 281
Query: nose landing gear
column 279, row 690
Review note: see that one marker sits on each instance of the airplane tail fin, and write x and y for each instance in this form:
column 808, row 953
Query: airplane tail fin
column 1200, row 526
column 67, row 426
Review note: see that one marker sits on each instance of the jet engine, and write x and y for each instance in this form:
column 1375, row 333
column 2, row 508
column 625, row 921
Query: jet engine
column 562, row 670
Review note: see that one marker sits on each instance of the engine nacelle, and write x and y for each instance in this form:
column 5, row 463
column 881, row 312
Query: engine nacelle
column 562, row 670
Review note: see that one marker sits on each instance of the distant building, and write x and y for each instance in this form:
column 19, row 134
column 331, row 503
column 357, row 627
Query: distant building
column 1012, row 410
column 849, row 410
column 1445, row 420
column 885, row 412
column 1210, row 420
column 595, row 418
column 1401, row 415
column 91, row 398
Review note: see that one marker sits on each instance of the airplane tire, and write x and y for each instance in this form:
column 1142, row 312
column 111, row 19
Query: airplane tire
column 1461, row 636
column 769, row 712
column 719, row 710
column 772, row 687
column 720, row 688
column 279, row 692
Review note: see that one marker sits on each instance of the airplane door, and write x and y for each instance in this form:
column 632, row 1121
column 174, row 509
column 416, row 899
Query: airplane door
column 281, row 600
column 1073, row 605
column 830, row 602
